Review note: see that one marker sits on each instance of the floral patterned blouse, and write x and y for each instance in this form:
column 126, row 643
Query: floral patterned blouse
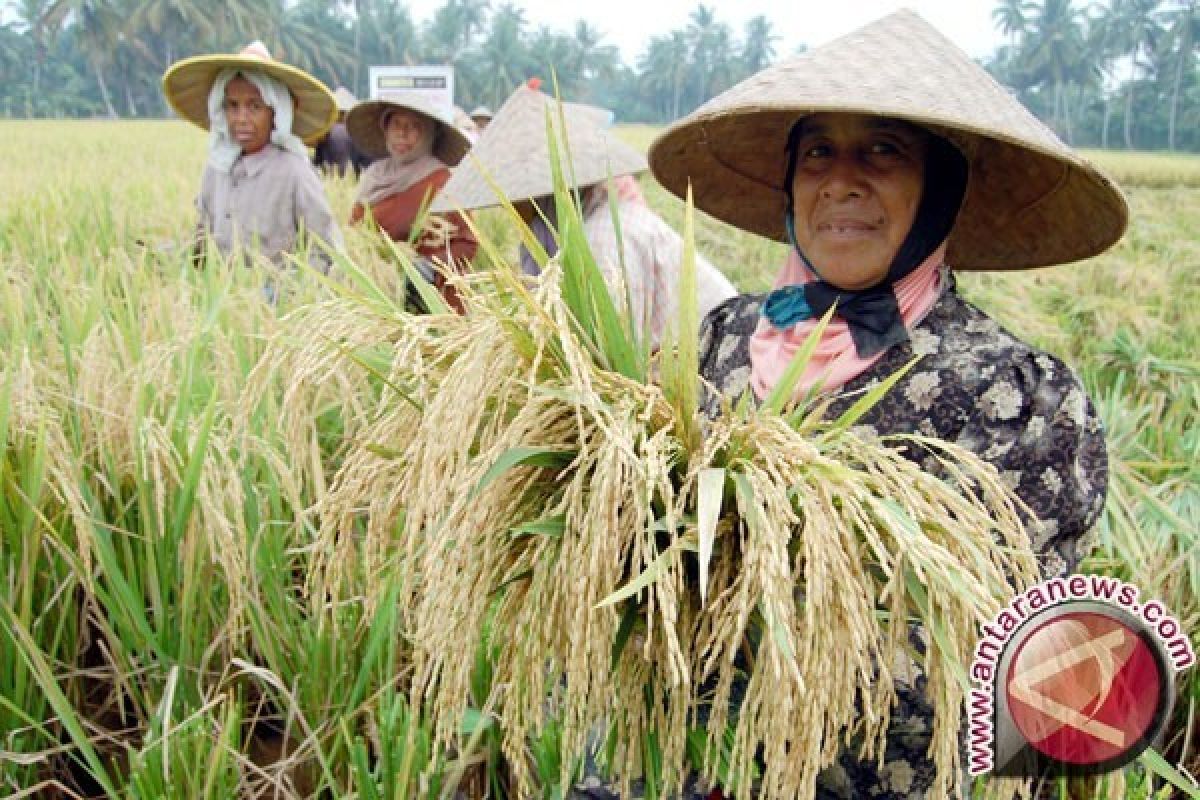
column 977, row 385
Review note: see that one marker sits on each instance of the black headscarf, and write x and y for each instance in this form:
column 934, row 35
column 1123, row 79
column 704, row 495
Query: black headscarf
column 872, row 314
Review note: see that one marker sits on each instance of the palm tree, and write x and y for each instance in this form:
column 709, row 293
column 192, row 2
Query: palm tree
column 758, row 50
column 711, row 45
column 503, row 59
column 592, row 59
column 165, row 22
column 394, row 38
column 699, row 30
column 1012, row 18
column 455, row 26
column 1138, row 31
column 304, row 34
column 1104, row 43
column 157, row 28
column 1054, row 54
column 14, row 52
column 663, row 68
column 34, row 17
column 1183, row 34
column 98, row 24
column 556, row 53
column 720, row 60
column 360, row 10
column 654, row 73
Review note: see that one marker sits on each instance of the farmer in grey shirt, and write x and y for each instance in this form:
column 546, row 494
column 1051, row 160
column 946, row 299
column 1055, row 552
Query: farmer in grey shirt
column 259, row 193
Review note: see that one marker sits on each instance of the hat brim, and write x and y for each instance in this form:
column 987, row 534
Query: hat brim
column 1031, row 201
column 188, row 83
column 363, row 123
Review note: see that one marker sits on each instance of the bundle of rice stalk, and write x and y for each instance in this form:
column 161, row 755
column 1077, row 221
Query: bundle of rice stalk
column 551, row 485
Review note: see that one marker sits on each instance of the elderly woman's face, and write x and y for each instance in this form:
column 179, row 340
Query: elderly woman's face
column 404, row 132
column 250, row 118
column 856, row 190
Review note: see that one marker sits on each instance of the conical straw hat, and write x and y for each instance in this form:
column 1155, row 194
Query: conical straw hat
column 514, row 153
column 1030, row 201
column 363, row 124
column 187, row 84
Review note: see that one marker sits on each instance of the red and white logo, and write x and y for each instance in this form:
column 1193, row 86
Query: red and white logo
column 1085, row 689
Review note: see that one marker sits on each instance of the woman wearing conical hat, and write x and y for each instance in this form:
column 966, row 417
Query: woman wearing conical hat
column 513, row 157
column 259, row 192
column 887, row 161
column 416, row 144
column 482, row 117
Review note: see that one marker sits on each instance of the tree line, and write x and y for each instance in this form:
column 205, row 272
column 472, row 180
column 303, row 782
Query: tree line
column 1118, row 73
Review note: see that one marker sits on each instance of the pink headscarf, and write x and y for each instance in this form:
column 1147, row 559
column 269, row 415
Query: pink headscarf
column 835, row 362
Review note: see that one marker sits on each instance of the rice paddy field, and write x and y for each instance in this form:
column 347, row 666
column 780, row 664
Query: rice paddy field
column 173, row 619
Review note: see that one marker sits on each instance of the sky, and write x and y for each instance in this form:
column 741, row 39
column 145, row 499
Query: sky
column 629, row 24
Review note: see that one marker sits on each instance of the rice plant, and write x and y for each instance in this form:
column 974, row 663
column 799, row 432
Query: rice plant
column 219, row 575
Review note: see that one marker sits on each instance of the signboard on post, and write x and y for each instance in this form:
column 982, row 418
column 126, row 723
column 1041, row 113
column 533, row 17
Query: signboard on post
column 434, row 85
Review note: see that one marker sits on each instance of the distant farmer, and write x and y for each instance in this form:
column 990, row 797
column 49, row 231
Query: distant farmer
column 481, row 116
column 515, row 153
column 259, row 193
column 417, row 144
column 463, row 121
column 335, row 152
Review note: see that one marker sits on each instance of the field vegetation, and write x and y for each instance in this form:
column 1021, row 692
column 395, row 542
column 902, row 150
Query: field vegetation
column 173, row 622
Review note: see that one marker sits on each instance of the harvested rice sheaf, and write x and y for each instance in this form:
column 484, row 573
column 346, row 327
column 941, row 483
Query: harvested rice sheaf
column 551, row 503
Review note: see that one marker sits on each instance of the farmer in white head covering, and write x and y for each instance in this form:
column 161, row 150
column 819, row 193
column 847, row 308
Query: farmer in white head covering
column 482, row 117
column 259, row 193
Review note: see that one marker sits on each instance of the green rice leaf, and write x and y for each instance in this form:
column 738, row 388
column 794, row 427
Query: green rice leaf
column 680, row 357
column 384, row 452
column 629, row 620
column 32, row 655
column 868, row 401
column 547, row 526
column 652, row 573
column 710, row 490
column 475, row 721
column 195, row 464
column 1153, row 761
column 584, row 288
column 783, row 390
column 525, row 457
column 745, row 496
column 377, row 373
column 778, row 634
column 430, row 296
column 916, row 590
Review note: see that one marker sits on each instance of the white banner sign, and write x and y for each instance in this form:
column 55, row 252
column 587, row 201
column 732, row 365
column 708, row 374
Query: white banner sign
column 434, row 85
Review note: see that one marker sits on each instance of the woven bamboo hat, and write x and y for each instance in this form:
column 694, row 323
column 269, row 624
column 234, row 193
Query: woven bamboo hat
column 187, row 84
column 514, row 153
column 363, row 123
column 1030, row 200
